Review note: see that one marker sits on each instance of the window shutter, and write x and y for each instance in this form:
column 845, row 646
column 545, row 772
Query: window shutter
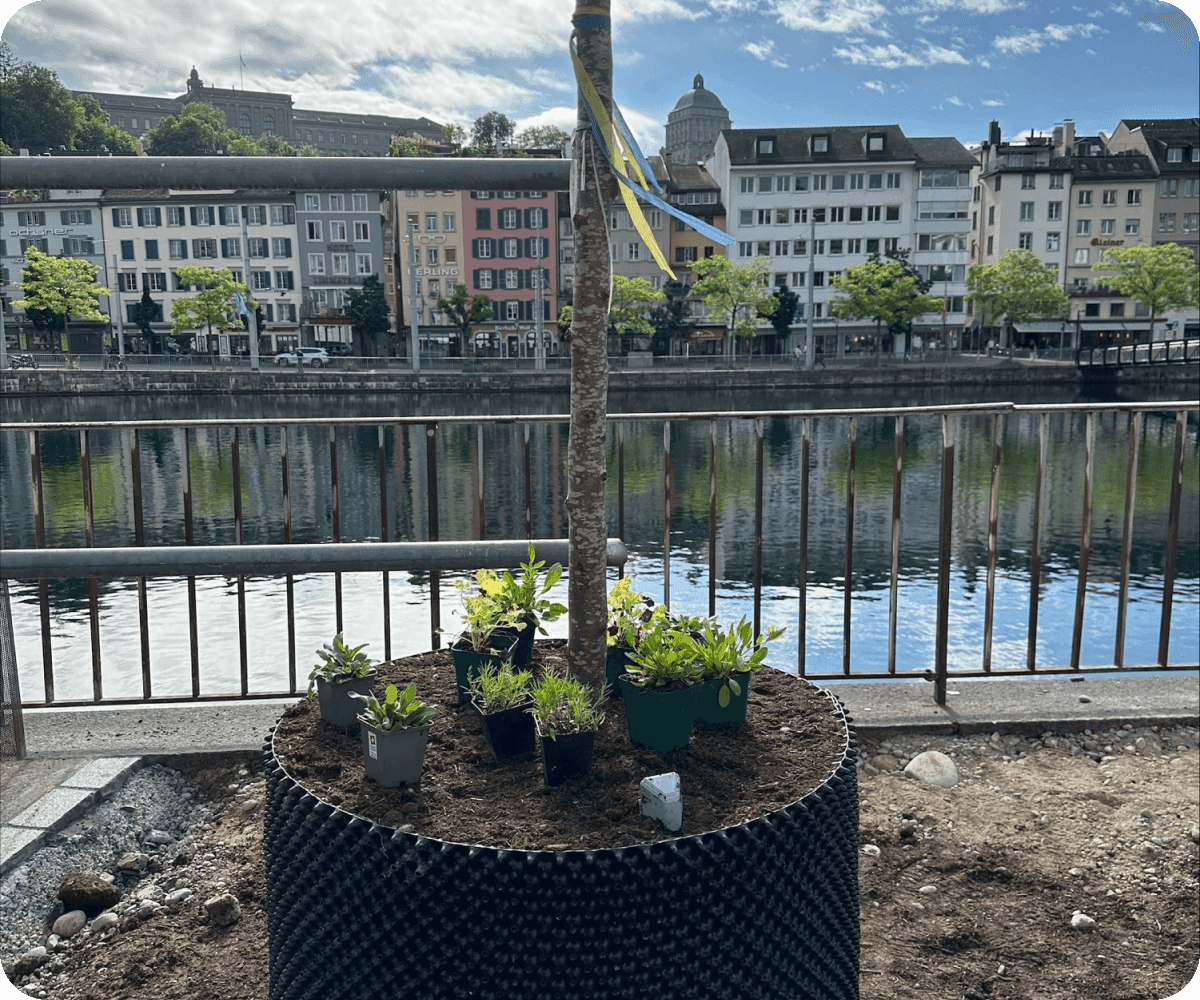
column 141, row 216
column 475, row 278
column 116, row 217
column 529, row 218
column 183, row 249
column 483, row 218
column 193, row 212
column 491, row 246
column 475, row 248
column 495, row 309
column 287, row 246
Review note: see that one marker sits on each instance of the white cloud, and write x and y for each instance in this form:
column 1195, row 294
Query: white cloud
column 1031, row 40
column 834, row 16
column 628, row 58
column 760, row 50
column 971, row 6
column 956, row 101
column 1120, row 8
column 988, row 102
column 1150, row 26
column 874, row 85
column 647, row 129
column 1061, row 32
column 1021, row 44
column 545, row 79
column 561, row 117
column 894, row 57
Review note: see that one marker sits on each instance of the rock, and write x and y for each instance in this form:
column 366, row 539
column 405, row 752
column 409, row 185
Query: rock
column 134, row 862
column 30, row 961
column 249, row 805
column 1082, row 922
column 885, row 762
column 928, row 890
column 933, row 768
column 870, row 770
column 223, row 910
column 871, row 850
column 146, row 909
column 70, row 923
column 81, row 891
column 1084, row 699
column 158, row 837
column 1194, row 833
column 104, row 922
column 178, row 898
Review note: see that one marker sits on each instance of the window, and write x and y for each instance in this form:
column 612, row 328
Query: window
column 989, row 245
column 763, row 248
column 483, row 278
column 874, row 213
column 1133, row 227
column 1191, row 186
column 853, row 246
column 856, row 213
column 783, row 182
column 1056, row 182
column 229, row 215
column 818, row 279
column 837, row 182
column 1052, row 242
column 818, row 215
column 820, row 144
column 76, row 217
column 483, row 218
column 359, row 202
column 1108, row 227
column 451, row 255
column 312, row 203
column 479, row 195
column 510, row 194
column 633, row 251
column 512, row 311
column 122, row 218
column 1027, row 182
column 1082, row 255
column 782, row 247
column 508, row 218
column 448, row 223
column 1191, row 222
column 1166, row 222
column 745, row 249
column 281, row 246
column 127, row 281
column 154, row 281
column 1091, row 308
column 1133, row 196
column 435, row 288
column 818, row 246
column 285, row 280
column 800, row 248
column 340, row 263
column 431, row 256
column 764, row 216
column 483, row 248
column 256, row 215
column 835, row 247
column 856, row 182
column 685, row 255
column 1054, row 211
column 78, row 246
column 874, row 182
column 745, row 217
column 837, row 214
column 1116, row 309
column 260, row 280
column 231, row 247
column 1024, row 241
column 313, row 229
column 258, row 246
column 1027, row 211
column 1109, row 197
column 799, row 215
column 204, row 249
column 893, row 180
column 510, row 248
column 316, row 263
column 991, row 215
column 1175, row 154
column 126, row 250
column 151, row 249
column 876, row 142
column 431, row 222
column 781, row 216
column 512, row 278
column 283, row 215
column 820, row 182
column 175, row 215
column 244, row 123
column 1169, row 188
column 362, row 264
column 1083, row 227
column 891, row 213
column 1085, row 199
column 764, row 184
column 337, row 202
column 799, row 278
column 337, row 231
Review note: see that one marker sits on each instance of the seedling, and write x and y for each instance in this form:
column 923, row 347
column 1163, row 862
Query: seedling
column 564, row 705
column 499, row 688
column 398, row 710
column 339, row 663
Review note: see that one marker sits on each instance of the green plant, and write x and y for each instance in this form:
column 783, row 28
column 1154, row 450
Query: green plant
column 499, row 688
column 665, row 656
column 719, row 654
column 397, row 710
column 525, row 598
column 482, row 614
column 339, row 663
column 564, row 705
column 630, row 614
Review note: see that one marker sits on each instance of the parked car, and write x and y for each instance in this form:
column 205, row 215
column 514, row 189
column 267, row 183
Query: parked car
column 315, row 356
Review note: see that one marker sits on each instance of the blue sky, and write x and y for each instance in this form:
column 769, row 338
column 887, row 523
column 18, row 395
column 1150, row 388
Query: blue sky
column 935, row 67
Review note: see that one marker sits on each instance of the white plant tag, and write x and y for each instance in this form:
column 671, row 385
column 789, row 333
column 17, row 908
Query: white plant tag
column 372, row 749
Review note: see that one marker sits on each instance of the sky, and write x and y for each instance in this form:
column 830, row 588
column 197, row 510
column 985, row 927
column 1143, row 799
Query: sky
column 933, row 67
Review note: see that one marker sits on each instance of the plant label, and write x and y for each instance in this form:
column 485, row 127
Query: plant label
column 372, row 746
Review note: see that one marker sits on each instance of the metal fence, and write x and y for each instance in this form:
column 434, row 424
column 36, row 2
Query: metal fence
column 1163, row 352
column 89, row 562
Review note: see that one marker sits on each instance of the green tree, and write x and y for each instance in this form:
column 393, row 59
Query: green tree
column 882, row 290
column 1161, row 278
column 62, row 286
column 785, row 311
column 403, row 145
column 198, row 130
column 95, row 134
column 36, row 111
column 492, row 129
column 144, row 313
column 213, row 304
column 629, row 299
column 739, row 294
column 368, row 309
column 674, row 314
column 542, row 137
column 273, row 145
column 1017, row 287
column 455, row 135
column 465, row 310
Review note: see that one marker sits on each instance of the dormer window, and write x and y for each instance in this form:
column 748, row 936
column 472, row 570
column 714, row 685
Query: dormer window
column 820, row 144
column 876, row 142
column 1175, row 154
column 766, row 145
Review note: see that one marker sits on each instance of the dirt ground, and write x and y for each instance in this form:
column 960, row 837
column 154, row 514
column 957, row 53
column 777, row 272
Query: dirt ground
column 1030, row 834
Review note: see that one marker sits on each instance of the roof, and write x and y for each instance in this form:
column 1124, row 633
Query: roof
column 1111, row 168
column 942, row 151
column 690, row 177
column 847, row 144
column 699, row 97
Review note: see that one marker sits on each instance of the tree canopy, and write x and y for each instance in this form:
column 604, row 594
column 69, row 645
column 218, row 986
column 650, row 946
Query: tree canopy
column 62, row 286
column 491, row 130
column 36, row 111
column 785, row 311
column 674, row 313
column 95, row 134
column 202, row 130
column 738, row 294
column 1018, row 287
column 883, row 290
column 542, row 137
column 630, row 296
column 214, row 303
column 367, row 308
column 1162, row 277
column 465, row 310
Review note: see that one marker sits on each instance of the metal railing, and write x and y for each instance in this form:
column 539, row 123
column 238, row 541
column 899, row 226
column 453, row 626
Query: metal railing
column 145, row 562
column 1163, row 352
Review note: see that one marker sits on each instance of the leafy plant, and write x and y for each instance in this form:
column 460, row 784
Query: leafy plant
column 398, row 710
column 339, row 663
column 482, row 614
column 500, row 688
column 564, row 705
column 665, row 656
column 719, row 654
column 524, row 599
column 630, row 614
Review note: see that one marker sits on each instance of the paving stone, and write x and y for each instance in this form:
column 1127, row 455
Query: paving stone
column 103, row 773
column 56, row 808
column 16, row 844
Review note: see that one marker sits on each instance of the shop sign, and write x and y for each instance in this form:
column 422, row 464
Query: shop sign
column 1097, row 242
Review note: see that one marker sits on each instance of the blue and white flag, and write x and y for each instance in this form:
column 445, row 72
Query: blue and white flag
column 239, row 304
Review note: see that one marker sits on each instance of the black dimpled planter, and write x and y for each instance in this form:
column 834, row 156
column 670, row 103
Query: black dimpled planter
column 765, row 909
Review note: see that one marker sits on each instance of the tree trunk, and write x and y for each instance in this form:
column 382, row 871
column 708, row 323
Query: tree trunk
column 592, row 190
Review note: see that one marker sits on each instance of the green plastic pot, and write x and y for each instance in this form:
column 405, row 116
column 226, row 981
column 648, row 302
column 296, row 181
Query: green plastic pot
column 708, row 704
column 468, row 662
column 659, row 720
column 522, row 641
column 337, row 706
column 393, row 757
column 615, row 664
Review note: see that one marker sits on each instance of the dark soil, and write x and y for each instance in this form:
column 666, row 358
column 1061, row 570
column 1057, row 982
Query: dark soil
column 790, row 743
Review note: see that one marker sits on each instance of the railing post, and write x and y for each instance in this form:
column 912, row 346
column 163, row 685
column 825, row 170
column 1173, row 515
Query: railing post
column 894, row 581
column 992, row 546
column 243, row 655
column 848, row 562
column 139, row 538
column 1164, row 625
column 758, row 526
column 941, row 650
column 1135, row 437
column 1035, row 567
column 290, row 585
column 435, row 593
column 93, row 584
column 802, row 573
column 666, row 514
column 1085, row 535
column 712, row 518
column 39, row 536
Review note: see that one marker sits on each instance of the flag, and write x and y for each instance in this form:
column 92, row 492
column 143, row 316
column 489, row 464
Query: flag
column 239, row 304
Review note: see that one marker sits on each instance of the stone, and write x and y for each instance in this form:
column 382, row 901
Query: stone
column 1084, row 699
column 104, row 922
column 933, row 768
column 928, row 890
column 83, row 891
column 885, row 762
column 178, row 898
column 70, row 923
column 146, row 909
column 133, row 862
column 30, row 961
column 1082, row 922
column 249, row 805
column 871, row 850
column 223, row 910
column 158, row 837
column 869, row 770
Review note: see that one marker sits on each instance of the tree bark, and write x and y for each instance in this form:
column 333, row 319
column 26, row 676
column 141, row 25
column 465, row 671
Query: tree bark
column 592, row 190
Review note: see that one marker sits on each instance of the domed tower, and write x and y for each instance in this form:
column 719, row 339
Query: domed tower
column 693, row 127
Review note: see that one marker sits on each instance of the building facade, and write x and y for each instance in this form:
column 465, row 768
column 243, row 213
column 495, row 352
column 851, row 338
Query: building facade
column 694, row 124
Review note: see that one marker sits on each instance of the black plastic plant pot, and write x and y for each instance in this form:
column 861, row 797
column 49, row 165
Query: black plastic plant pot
column 709, row 709
column 336, row 704
column 522, row 647
column 509, row 733
column 393, row 757
column 615, row 664
column 467, row 663
column 619, row 923
column 567, row 757
column 659, row 720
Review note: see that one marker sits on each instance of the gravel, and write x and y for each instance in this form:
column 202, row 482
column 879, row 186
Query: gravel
column 156, row 813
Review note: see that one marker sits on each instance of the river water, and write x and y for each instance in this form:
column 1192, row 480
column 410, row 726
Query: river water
column 360, row 519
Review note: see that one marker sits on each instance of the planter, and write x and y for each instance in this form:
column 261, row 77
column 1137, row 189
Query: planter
column 567, row 758
column 618, row 924
column 467, row 663
column 614, row 666
column 337, row 706
column 659, row 720
column 522, row 646
column 393, row 757
column 509, row 733
column 708, row 704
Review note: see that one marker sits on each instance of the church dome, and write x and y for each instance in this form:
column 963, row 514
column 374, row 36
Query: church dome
column 699, row 98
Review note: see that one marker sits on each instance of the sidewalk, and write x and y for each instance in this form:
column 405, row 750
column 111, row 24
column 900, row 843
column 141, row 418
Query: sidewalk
column 78, row 755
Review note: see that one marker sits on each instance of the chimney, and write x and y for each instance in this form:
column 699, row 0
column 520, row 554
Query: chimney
column 1056, row 140
column 994, row 132
column 1069, row 136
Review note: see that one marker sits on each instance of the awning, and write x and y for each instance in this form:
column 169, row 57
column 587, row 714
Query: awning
column 1046, row 326
column 706, row 333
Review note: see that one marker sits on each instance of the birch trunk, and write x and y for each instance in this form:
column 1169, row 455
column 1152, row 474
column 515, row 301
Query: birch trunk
column 592, row 190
